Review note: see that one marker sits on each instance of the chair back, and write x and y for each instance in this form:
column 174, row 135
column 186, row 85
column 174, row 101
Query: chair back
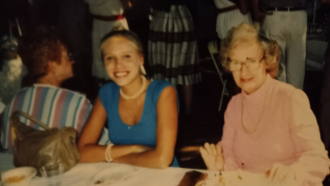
column 214, row 51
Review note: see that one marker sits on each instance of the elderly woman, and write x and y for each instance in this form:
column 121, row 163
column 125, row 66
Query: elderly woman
column 142, row 115
column 49, row 64
column 269, row 127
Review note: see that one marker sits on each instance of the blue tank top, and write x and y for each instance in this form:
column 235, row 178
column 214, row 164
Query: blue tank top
column 144, row 132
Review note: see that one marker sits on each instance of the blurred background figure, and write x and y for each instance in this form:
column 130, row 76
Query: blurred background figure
column 325, row 92
column 230, row 14
column 74, row 25
column 172, row 47
column 286, row 22
column 12, row 69
column 106, row 14
column 2, row 107
column 137, row 14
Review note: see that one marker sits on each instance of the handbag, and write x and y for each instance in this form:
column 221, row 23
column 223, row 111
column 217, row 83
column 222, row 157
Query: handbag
column 38, row 148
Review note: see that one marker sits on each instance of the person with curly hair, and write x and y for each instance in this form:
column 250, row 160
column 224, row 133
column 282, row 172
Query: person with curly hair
column 48, row 62
column 269, row 127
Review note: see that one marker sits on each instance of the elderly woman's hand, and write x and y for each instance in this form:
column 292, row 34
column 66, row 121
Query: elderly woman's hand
column 212, row 156
column 279, row 172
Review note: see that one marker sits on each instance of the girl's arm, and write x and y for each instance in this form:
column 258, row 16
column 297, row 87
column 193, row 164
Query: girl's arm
column 243, row 6
column 167, row 124
column 89, row 150
column 256, row 14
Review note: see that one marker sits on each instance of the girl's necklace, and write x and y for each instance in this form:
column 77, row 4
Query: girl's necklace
column 144, row 83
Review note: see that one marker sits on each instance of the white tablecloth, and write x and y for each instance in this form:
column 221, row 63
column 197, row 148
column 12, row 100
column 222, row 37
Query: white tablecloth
column 87, row 174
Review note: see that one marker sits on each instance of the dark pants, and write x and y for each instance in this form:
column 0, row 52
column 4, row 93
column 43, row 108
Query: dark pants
column 325, row 101
column 75, row 26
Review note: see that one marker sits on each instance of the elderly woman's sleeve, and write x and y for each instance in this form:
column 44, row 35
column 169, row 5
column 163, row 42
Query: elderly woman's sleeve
column 227, row 141
column 313, row 163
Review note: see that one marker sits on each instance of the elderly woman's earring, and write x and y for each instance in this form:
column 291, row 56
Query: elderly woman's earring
column 142, row 70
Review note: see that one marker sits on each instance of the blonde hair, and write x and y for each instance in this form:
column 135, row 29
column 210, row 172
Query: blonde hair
column 119, row 32
column 250, row 33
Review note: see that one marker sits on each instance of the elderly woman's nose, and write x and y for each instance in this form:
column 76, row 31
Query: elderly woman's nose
column 244, row 68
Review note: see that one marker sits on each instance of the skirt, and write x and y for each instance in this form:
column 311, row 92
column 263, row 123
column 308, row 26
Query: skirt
column 172, row 47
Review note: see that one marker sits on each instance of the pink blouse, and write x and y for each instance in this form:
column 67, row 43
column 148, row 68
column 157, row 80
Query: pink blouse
column 287, row 133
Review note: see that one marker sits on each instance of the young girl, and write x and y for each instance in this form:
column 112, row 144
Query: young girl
column 142, row 115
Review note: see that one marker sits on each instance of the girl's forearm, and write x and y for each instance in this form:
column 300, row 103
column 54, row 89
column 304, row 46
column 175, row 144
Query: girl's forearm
column 92, row 153
column 96, row 153
column 151, row 159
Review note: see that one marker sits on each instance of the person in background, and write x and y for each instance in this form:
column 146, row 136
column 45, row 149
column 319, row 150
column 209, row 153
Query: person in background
column 325, row 92
column 285, row 21
column 74, row 25
column 137, row 13
column 2, row 107
column 142, row 115
column 231, row 14
column 269, row 127
column 107, row 14
column 48, row 63
column 172, row 47
column 12, row 69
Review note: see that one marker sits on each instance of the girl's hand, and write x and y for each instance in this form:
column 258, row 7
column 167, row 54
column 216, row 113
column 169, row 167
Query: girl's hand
column 212, row 156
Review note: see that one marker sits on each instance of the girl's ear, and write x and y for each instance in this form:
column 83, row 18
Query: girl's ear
column 141, row 59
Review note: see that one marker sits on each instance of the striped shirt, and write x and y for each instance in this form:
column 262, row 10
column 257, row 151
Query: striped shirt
column 52, row 105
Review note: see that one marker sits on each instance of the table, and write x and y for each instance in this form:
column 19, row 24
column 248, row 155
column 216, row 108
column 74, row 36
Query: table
column 86, row 174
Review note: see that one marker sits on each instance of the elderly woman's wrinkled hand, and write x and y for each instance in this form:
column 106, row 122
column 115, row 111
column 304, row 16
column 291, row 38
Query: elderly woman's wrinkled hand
column 279, row 172
column 212, row 156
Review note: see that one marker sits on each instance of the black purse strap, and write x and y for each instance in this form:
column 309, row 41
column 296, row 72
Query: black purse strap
column 41, row 124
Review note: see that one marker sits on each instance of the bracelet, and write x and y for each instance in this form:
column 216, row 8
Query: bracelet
column 108, row 152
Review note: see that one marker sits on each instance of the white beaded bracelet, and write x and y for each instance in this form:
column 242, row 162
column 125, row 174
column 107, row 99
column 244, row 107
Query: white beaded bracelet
column 108, row 152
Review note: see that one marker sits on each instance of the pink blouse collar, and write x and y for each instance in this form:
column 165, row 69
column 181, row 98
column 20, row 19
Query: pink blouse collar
column 261, row 91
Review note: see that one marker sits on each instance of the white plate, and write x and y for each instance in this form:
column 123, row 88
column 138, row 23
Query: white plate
column 26, row 172
column 112, row 175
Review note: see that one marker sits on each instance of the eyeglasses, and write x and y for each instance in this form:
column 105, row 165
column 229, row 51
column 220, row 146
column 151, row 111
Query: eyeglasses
column 250, row 63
